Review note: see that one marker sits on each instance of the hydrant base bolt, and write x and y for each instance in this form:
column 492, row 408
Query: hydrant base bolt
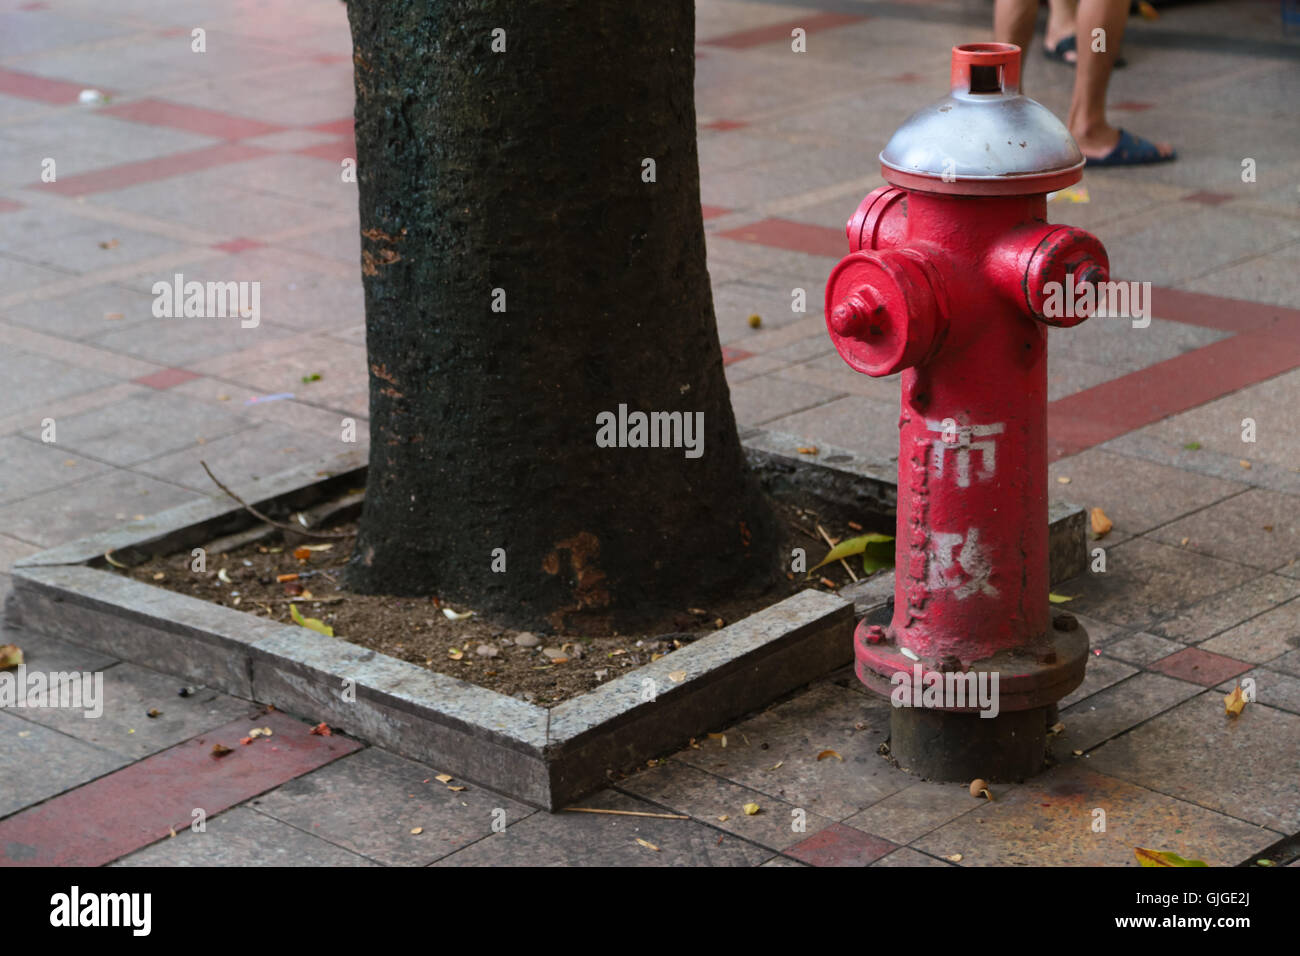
column 875, row 634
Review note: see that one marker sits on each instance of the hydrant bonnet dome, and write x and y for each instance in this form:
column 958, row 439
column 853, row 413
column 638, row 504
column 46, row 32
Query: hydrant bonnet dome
column 984, row 136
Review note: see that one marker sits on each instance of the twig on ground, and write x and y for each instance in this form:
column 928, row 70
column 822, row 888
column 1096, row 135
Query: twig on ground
column 831, row 544
column 283, row 526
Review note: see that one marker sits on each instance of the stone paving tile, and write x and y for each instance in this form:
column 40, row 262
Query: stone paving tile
column 1261, row 638
column 99, row 503
column 1067, row 376
column 1119, row 708
column 183, row 341
column 1227, row 609
column 590, row 839
column 1146, row 582
column 1100, row 633
column 1272, row 688
column 852, row 422
column 1049, row 822
column 1258, row 528
column 1115, row 343
column 11, row 549
column 147, row 426
column 1244, row 766
column 764, row 399
column 911, row 813
column 51, row 655
column 1102, row 672
column 84, row 312
column 839, row 845
column 28, row 467
column 254, row 453
column 1217, row 426
column 243, row 837
column 906, row 856
column 1289, row 663
column 824, row 718
column 370, row 801
column 64, row 762
column 129, row 693
column 1136, row 495
column 33, row 380
column 831, row 372
column 765, row 296
column 1142, row 649
column 1198, row 666
column 686, row 789
column 751, row 367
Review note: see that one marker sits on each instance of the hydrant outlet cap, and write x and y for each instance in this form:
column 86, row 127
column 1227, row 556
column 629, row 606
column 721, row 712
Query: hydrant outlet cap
column 984, row 137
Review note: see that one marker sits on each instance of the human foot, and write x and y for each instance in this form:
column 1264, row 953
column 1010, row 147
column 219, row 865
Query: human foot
column 1118, row 147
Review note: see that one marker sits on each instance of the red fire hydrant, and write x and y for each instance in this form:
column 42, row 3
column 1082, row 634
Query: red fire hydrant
column 949, row 281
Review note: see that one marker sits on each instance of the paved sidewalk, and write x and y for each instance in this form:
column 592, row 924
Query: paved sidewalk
column 227, row 164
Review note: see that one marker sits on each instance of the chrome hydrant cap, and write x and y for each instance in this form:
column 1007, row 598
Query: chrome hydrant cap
column 984, row 137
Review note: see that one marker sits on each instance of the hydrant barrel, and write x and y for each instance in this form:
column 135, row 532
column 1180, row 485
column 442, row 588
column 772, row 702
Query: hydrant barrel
column 948, row 280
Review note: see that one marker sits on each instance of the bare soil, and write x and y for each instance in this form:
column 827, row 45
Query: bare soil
column 269, row 578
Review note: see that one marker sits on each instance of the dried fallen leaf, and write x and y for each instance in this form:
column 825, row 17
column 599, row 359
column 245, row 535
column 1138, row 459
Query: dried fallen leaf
column 302, row 554
column 321, row 730
column 1244, row 464
column 1162, row 858
column 776, row 766
column 317, row 547
column 1057, row 728
column 677, row 676
column 1101, row 525
column 1235, row 702
column 1063, row 480
column 955, row 858
column 807, row 449
column 455, row 653
column 153, row 712
column 647, row 844
column 451, row 615
column 750, row 809
column 830, row 753
column 108, row 556
column 444, row 778
column 158, row 576
column 311, row 623
column 456, row 789
column 282, row 578
column 220, row 750
column 1060, row 598
column 724, row 818
column 245, row 741
column 416, row 831
column 11, row 655
column 223, row 577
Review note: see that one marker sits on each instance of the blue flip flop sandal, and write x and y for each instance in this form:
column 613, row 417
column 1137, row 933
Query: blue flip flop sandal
column 1070, row 45
column 1131, row 151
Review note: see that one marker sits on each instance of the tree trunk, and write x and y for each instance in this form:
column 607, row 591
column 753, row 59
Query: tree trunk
column 522, row 277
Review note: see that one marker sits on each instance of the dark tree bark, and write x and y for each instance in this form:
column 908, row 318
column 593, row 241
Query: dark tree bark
column 523, row 171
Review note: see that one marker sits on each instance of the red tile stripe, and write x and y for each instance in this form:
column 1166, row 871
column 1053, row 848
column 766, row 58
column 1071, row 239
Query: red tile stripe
column 795, row 236
column 151, row 170
column 1141, row 398
column 338, row 127
column 813, row 23
column 29, row 86
column 192, row 119
column 1215, row 312
column 137, row 805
